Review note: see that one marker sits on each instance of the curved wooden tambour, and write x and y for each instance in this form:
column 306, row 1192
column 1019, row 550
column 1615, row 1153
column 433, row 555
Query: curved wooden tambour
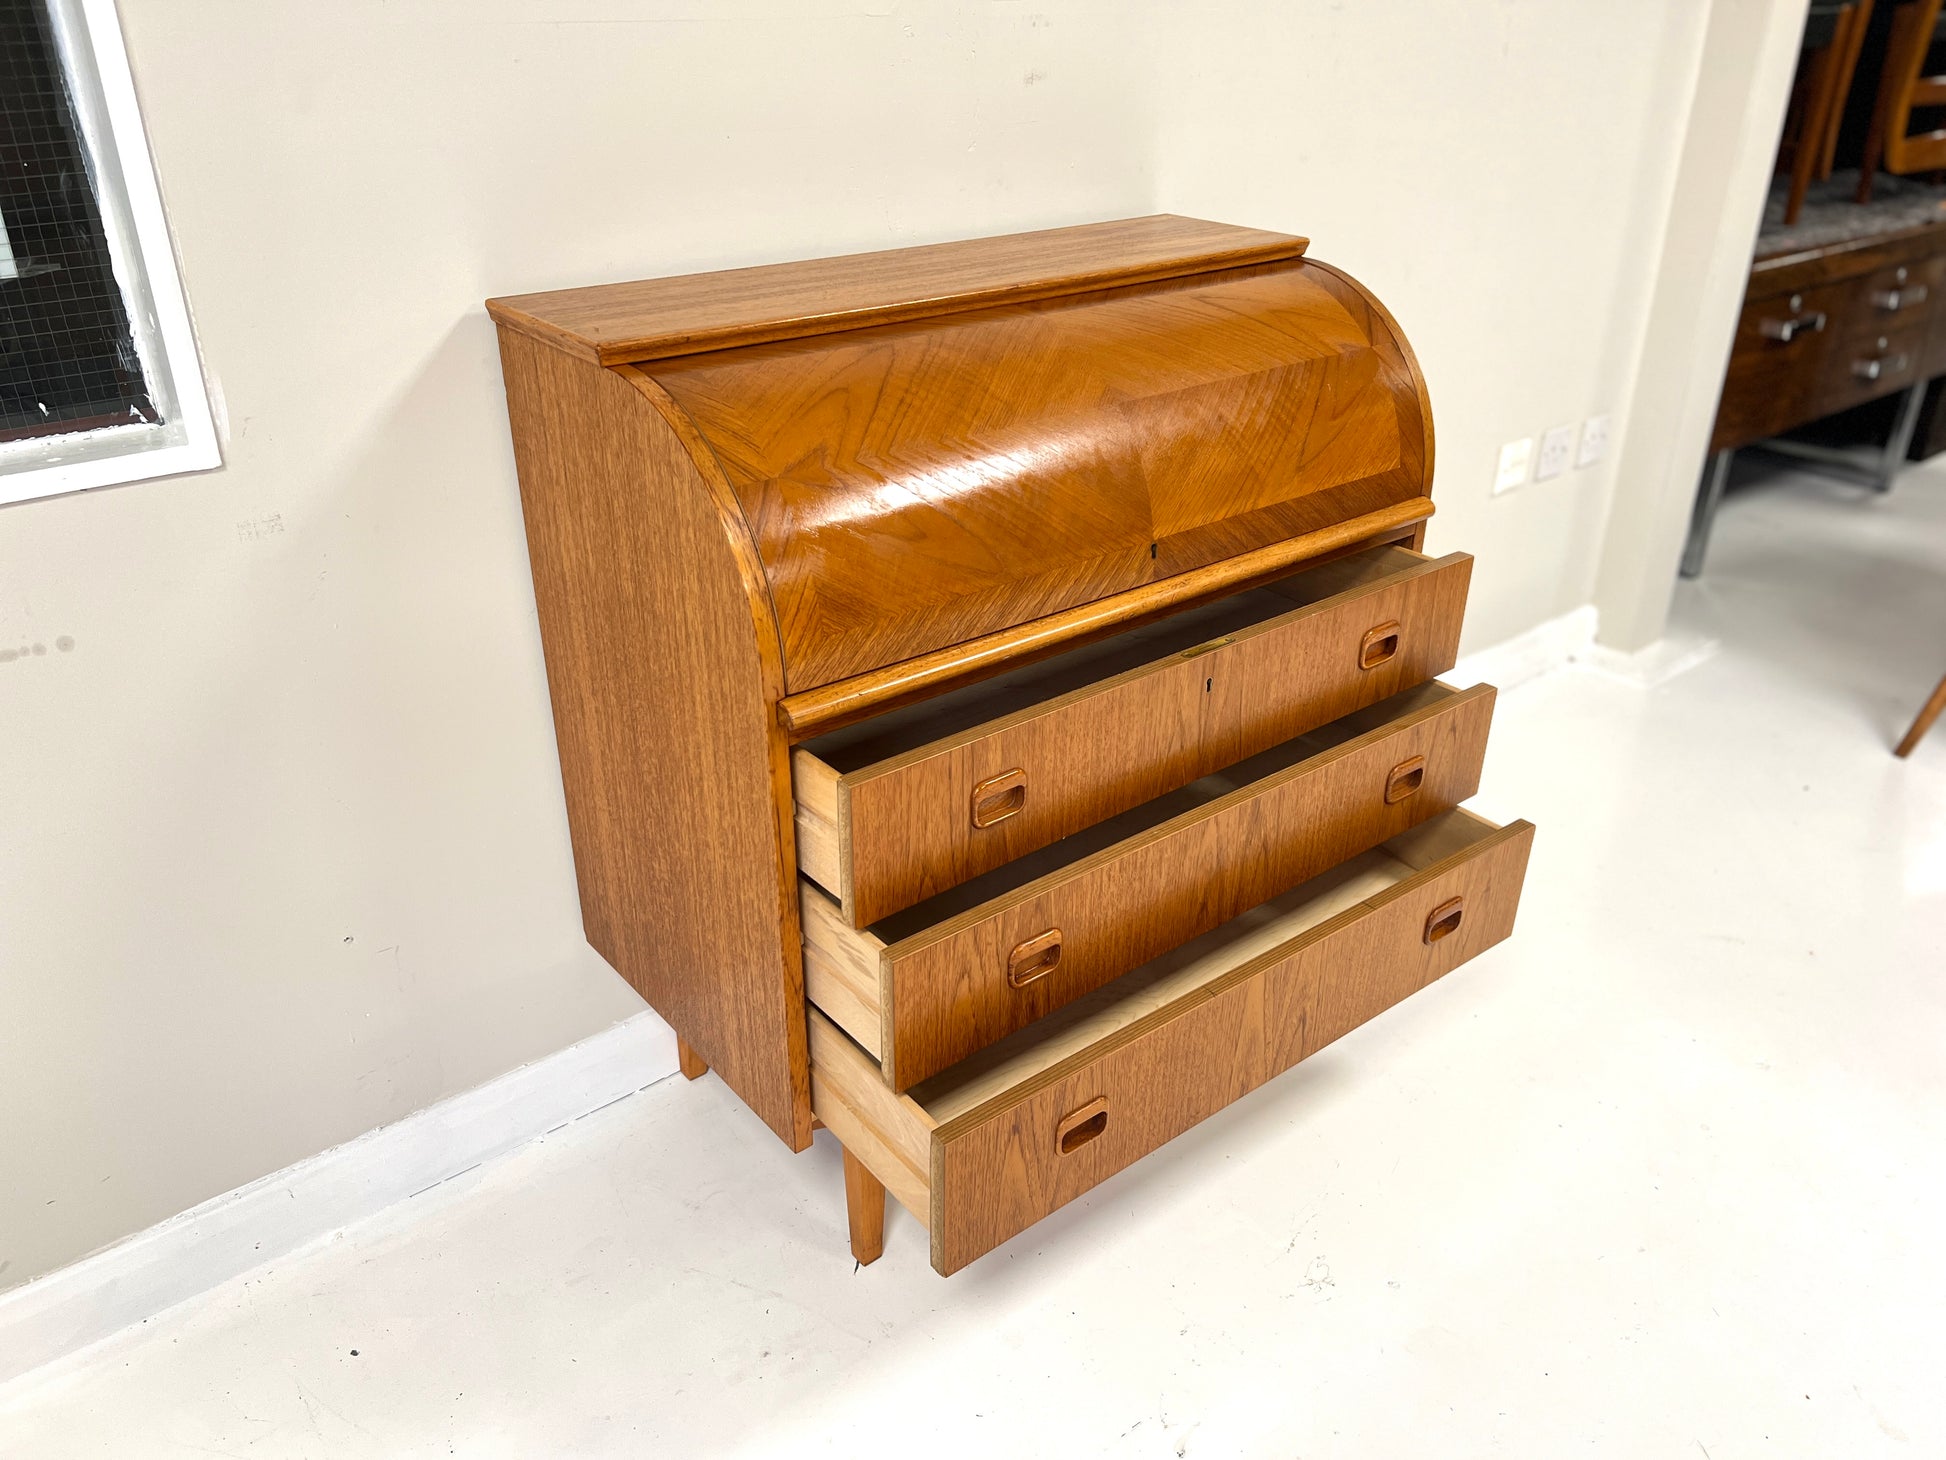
column 918, row 485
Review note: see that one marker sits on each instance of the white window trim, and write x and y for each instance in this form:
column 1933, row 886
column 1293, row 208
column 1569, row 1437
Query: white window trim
column 89, row 36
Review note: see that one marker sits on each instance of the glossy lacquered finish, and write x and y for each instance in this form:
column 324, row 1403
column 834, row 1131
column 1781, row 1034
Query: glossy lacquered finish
column 913, row 803
column 912, row 486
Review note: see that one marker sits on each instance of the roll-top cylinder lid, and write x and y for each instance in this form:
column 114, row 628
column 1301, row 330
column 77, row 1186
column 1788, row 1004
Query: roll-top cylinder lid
column 926, row 450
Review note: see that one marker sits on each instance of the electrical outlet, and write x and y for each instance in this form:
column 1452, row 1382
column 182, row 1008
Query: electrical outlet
column 1594, row 441
column 1514, row 457
column 1557, row 445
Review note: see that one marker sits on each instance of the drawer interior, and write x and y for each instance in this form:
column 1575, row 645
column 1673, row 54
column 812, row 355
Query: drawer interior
column 894, row 1133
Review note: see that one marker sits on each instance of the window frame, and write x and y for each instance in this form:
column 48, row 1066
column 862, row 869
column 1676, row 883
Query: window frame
column 88, row 36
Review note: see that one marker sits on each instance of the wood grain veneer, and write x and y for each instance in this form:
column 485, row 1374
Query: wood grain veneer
column 653, row 617
column 1176, row 1040
column 914, row 486
column 1118, row 893
column 654, row 318
column 996, row 1168
column 884, row 812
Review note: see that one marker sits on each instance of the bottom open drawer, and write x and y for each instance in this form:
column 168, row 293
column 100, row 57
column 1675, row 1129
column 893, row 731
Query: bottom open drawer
column 987, row 1148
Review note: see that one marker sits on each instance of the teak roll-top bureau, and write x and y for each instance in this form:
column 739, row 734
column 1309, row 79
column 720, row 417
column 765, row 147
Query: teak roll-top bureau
column 995, row 688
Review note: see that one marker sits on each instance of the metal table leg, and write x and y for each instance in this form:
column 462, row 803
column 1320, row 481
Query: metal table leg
column 1875, row 471
column 1903, row 425
column 1709, row 496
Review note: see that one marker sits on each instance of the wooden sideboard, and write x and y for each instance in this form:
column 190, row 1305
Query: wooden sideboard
column 1829, row 323
column 994, row 685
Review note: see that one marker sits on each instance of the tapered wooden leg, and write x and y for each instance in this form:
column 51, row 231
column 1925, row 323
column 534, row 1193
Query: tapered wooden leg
column 865, row 1208
column 1934, row 708
column 694, row 1066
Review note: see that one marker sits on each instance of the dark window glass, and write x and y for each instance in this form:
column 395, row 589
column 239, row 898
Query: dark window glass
column 67, row 360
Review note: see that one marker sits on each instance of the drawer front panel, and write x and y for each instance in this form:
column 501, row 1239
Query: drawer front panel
column 1777, row 360
column 1870, row 365
column 1001, row 1167
column 1363, row 964
column 984, row 974
column 1894, row 296
column 938, row 817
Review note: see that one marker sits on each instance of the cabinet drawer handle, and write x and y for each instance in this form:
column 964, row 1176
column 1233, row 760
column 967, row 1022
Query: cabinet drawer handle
column 1406, row 779
column 1083, row 1126
column 1378, row 645
column 1893, row 300
column 1039, row 956
column 998, row 797
column 1444, row 920
column 1785, row 330
column 1873, row 369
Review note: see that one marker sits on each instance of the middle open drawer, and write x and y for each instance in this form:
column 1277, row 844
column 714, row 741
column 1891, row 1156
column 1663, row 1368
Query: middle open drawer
column 930, row 985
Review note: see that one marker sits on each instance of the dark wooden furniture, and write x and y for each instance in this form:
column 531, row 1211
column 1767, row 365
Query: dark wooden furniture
column 1891, row 143
column 1928, row 713
column 994, row 689
column 1828, row 325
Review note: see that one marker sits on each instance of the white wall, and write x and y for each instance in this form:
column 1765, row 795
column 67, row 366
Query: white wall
column 1499, row 174
column 282, row 855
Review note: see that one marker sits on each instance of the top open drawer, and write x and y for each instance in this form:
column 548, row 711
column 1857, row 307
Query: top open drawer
column 904, row 806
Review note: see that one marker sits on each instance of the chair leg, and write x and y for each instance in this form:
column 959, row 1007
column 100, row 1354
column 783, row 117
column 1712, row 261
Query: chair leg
column 694, row 1066
column 1934, row 708
column 864, row 1210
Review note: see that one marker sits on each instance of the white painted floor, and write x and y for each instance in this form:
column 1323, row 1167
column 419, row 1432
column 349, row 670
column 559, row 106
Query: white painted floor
column 1663, row 1176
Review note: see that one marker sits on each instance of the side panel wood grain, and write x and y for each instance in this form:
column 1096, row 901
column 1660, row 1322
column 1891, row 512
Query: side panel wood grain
column 1098, row 751
column 950, row 993
column 676, row 777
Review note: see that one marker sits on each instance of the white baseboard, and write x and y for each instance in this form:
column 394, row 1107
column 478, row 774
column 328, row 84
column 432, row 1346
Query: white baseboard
column 229, row 1235
column 1656, row 665
column 1540, row 650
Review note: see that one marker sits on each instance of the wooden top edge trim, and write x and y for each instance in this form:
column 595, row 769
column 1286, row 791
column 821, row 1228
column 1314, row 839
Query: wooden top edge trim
column 827, row 707
column 1789, row 254
column 685, row 314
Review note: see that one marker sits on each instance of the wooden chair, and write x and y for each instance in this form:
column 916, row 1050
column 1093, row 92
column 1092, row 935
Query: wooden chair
column 1834, row 32
column 1901, row 89
column 1934, row 708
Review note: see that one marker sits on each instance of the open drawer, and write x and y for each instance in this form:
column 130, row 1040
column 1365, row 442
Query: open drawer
column 927, row 987
column 988, row 1148
column 906, row 805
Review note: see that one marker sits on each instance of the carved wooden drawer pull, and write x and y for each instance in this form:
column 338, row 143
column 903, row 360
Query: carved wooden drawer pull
column 1379, row 645
column 1444, row 920
column 1082, row 1127
column 998, row 797
column 1406, row 779
column 1039, row 956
